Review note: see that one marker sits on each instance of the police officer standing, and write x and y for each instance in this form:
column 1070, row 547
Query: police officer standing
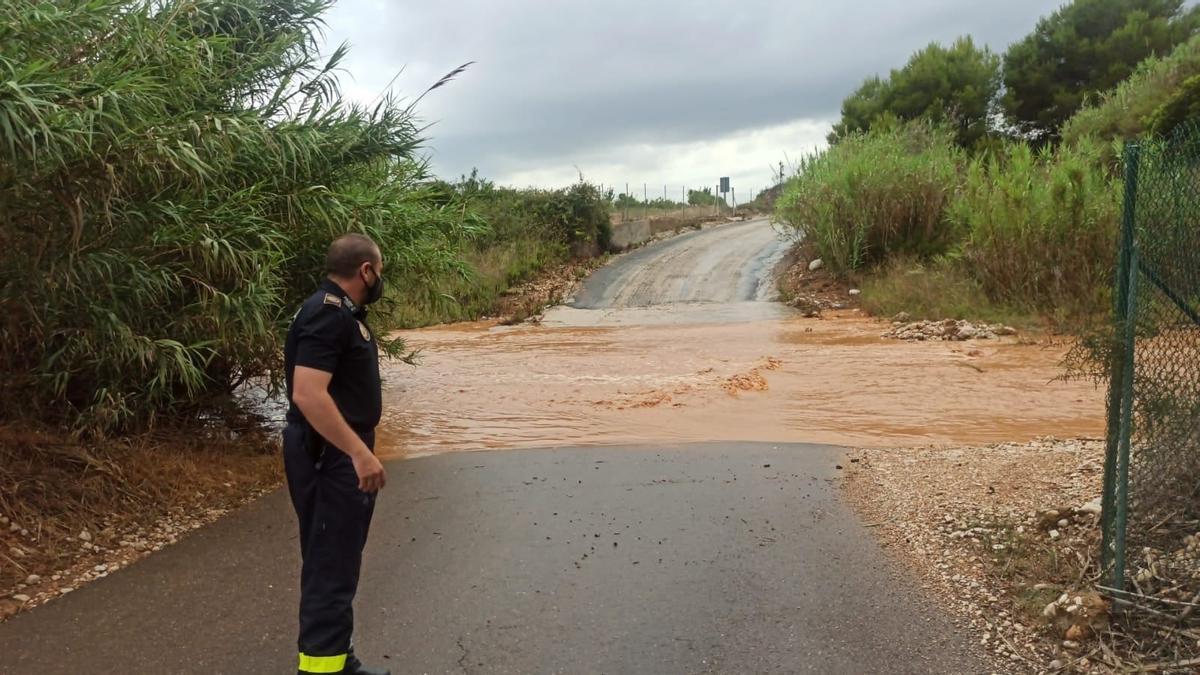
column 332, row 368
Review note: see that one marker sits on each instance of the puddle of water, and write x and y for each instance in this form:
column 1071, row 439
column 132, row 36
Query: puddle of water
column 746, row 371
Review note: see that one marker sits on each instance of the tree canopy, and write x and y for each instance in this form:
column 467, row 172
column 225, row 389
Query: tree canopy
column 952, row 85
column 1086, row 47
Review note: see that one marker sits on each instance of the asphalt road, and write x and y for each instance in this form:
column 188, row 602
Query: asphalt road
column 729, row 263
column 732, row 558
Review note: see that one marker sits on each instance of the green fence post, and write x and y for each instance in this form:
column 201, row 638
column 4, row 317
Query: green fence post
column 1121, row 501
column 1118, row 385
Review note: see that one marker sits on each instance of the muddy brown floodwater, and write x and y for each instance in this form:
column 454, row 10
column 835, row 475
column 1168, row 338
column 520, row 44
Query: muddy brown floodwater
column 635, row 377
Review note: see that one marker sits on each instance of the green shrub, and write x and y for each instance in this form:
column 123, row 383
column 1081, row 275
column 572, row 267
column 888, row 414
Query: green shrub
column 875, row 195
column 525, row 232
column 1041, row 228
column 171, row 173
column 1184, row 105
column 1124, row 112
column 939, row 289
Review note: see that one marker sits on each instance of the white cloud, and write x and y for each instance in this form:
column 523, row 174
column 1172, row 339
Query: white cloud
column 748, row 157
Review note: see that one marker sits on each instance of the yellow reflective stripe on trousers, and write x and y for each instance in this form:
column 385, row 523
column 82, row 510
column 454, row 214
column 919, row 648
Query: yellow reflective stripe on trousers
column 322, row 664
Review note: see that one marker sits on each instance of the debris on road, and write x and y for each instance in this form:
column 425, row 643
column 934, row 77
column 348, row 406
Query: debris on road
column 949, row 329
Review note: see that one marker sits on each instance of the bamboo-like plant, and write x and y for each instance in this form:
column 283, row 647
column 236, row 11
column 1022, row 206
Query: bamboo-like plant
column 171, row 172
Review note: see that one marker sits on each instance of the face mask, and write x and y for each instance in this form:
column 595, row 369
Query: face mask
column 374, row 291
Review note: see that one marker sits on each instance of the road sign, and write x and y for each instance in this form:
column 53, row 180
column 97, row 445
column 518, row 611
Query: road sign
column 725, row 185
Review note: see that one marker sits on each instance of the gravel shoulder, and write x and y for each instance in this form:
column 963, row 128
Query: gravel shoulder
column 1005, row 537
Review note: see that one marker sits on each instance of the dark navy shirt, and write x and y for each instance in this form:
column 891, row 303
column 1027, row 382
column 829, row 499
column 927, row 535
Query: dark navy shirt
column 330, row 333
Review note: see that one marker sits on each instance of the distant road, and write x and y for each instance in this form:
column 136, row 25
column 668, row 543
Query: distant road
column 723, row 264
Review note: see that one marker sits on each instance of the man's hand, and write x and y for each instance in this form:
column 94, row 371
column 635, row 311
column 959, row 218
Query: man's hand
column 371, row 476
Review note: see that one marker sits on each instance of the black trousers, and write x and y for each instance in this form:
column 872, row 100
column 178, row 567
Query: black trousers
column 334, row 519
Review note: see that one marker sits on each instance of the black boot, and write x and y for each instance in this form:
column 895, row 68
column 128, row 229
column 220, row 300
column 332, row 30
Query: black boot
column 356, row 667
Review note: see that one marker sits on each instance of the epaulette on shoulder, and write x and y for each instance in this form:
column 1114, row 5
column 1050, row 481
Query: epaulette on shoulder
column 331, row 299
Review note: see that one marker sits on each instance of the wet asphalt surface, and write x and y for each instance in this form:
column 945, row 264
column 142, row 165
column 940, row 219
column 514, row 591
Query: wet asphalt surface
column 729, row 263
column 730, row 558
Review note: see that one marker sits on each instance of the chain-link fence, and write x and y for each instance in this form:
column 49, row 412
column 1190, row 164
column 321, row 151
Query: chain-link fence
column 1152, row 471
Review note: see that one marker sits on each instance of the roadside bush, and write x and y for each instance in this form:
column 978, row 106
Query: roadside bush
column 875, row 195
column 1182, row 107
column 524, row 232
column 1041, row 228
column 170, row 174
column 1125, row 112
column 937, row 289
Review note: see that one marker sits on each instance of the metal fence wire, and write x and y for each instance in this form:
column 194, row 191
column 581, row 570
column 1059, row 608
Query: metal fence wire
column 1152, row 466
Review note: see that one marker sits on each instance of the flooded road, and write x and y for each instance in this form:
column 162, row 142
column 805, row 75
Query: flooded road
column 645, row 555
column 659, row 349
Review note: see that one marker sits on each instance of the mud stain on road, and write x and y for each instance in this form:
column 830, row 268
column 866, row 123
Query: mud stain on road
column 741, row 374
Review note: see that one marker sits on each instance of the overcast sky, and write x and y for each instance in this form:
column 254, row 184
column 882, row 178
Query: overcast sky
column 652, row 91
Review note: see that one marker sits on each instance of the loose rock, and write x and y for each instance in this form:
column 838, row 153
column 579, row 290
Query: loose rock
column 949, row 329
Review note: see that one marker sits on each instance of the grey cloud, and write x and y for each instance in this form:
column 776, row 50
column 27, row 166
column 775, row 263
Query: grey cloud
column 558, row 79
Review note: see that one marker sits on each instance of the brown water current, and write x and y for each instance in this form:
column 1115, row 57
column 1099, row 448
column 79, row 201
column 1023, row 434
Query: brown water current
column 730, row 372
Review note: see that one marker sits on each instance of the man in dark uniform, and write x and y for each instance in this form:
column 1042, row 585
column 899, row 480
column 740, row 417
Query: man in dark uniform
column 331, row 362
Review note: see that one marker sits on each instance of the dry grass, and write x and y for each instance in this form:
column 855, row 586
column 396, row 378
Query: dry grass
column 53, row 488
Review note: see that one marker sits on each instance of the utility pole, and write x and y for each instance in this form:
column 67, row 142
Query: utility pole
column 626, row 209
column 645, row 202
column 734, row 191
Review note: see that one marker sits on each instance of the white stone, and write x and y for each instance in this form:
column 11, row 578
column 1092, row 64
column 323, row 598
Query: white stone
column 21, row 597
column 85, row 535
column 1093, row 507
column 33, row 580
column 855, row 291
column 816, row 265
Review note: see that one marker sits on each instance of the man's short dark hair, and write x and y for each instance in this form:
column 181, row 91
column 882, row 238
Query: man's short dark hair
column 349, row 251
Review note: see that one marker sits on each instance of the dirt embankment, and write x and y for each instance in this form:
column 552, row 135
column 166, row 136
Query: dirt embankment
column 806, row 284
column 71, row 512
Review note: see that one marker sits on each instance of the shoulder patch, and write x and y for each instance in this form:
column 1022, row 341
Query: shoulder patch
column 331, row 299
